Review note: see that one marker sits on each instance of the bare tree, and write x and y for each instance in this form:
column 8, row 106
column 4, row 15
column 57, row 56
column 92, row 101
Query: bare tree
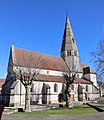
column 27, row 77
column 69, row 78
column 98, row 60
column 28, row 74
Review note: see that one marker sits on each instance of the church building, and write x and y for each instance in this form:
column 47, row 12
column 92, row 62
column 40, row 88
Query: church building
column 50, row 81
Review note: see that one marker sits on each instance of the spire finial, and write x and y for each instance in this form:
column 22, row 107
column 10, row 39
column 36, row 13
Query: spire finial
column 66, row 13
column 12, row 43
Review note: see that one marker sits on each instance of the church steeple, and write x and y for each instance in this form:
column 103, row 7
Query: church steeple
column 69, row 49
column 68, row 37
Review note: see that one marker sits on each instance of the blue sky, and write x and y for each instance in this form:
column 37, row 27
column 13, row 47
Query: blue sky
column 39, row 24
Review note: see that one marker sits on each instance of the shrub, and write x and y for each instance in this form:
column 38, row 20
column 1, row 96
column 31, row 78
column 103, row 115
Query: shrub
column 61, row 97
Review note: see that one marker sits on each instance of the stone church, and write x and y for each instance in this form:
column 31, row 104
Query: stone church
column 50, row 81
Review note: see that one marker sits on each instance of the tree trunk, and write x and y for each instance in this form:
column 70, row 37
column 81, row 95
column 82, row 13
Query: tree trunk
column 67, row 100
column 27, row 99
column 67, row 93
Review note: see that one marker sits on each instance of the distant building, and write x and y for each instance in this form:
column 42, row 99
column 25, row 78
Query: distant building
column 50, row 82
column 1, row 84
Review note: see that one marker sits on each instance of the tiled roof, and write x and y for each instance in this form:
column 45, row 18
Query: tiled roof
column 83, row 65
column 27, row 58
column 2, row 81
column 50, row 78
column 83, row 81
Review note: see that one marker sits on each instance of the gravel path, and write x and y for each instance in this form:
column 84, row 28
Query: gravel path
column 96, row 116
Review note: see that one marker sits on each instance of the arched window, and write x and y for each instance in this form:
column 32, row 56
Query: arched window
column 68, row 53
column 55, row 87
column 75, row 53
column 32, row 88
column 77, row 75
column 73, row 40
column 72, row 87
column 86, row 88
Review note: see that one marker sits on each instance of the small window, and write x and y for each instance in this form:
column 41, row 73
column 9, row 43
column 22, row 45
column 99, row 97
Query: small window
column 69, row 53
column 32, row 88
column 73, row 40
column 75, row 53
column 77, row 75
column 47, row 72
column 86, row 88
column 55, row 87
column 72, row 87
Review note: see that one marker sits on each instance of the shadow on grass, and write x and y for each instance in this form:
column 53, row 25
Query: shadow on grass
column 81, row 109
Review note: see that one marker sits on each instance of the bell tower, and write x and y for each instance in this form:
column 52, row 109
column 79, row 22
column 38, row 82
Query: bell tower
column 69, row 50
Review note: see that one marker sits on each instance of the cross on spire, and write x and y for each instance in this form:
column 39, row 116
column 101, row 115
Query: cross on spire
column 66, row 13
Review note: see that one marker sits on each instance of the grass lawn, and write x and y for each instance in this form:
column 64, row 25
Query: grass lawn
column 81, row 109
column 102, row 103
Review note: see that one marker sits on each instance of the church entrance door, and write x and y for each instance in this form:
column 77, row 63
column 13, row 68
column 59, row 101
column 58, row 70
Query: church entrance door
column 46, row 94
column 80, row 93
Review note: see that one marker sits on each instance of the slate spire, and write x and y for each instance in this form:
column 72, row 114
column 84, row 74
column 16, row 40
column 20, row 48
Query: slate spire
column 69, row 49
column 68, row 37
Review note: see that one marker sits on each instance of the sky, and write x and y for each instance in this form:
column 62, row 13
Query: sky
column 38, row 25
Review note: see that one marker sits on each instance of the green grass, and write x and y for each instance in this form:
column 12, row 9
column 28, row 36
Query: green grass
column 81, row 109
column 102, row 103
